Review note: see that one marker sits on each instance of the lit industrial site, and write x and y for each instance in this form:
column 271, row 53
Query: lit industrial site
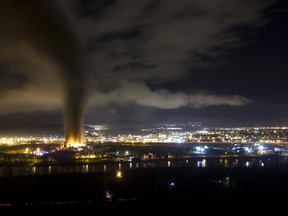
column 165, row 145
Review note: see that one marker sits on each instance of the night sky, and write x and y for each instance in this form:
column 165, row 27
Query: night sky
column 149, row 61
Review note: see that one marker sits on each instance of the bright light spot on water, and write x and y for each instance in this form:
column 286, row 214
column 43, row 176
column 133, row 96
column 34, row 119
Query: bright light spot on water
column 172, row 186
column 108, row 196
column 225, row 163
column 201, row 163
column 247, row 164
column 34, row 170
column 119, row 174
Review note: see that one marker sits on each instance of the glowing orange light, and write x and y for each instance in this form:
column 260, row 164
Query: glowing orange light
column 73, row 142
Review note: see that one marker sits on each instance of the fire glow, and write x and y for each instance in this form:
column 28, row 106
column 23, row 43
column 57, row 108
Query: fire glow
column 74, row 142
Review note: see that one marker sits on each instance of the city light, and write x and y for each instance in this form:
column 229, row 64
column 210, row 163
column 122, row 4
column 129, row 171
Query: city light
column 245, row 135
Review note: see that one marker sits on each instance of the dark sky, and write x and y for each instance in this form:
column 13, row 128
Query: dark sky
column 149, row 61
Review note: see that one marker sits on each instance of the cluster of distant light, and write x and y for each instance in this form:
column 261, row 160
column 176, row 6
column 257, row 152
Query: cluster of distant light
column 206, row 135
column 247, row 135
column 36, row 151
column 31, row 139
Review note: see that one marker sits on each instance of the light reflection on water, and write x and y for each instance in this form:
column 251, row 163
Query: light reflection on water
column 112, row 167
column 201, row 163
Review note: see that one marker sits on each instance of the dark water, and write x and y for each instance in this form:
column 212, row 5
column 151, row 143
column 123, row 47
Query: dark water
column 227, row 186
column 106, row 167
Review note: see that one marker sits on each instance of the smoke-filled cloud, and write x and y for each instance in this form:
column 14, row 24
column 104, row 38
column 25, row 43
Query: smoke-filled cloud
column 163, row 41
column 129, row 46
column 31, row 81
column 140, row 94
column 38, row 41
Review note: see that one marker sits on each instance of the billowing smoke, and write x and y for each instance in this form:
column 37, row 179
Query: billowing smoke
column 35, row 33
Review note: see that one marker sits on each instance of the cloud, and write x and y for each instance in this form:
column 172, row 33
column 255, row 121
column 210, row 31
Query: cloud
column 38, row 42
column 140, row 94
column 128, row 44
column 162, row 40
column 37, row 86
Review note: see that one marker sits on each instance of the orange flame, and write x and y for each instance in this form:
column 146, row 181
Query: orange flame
column 73, row 141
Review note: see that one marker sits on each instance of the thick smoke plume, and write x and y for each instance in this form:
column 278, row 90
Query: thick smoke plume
column 39, row 28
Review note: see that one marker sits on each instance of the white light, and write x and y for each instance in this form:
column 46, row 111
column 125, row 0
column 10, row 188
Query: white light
column 198, row 148
column 247, row 149
column 108, row 196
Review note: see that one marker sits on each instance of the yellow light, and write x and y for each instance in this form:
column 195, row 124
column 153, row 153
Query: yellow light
column 74, row 142
column 119, row 174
